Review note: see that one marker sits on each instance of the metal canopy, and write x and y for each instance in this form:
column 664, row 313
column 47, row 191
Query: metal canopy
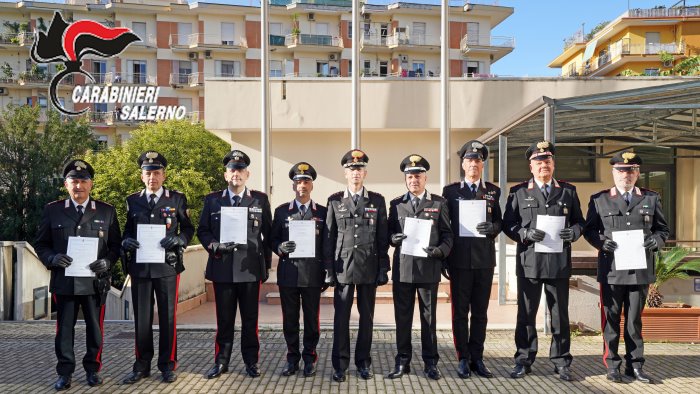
column 656, row 116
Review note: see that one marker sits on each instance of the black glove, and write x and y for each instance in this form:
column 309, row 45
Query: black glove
column 382, row 278
column 397, row 239
column 130, row 244
column 434, row 252
column 567, row 234
column 60, row 260
column 330, row 279
column 445, row 270
column 224, row 248
column 266, row 275
column 99, row 266
column 287, row 247
column 650, row 243
column 171, row 242
column 485, row 228
column 171, row 258
column 609, row 246
column 534, row 235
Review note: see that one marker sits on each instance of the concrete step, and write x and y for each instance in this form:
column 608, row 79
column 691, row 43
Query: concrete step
column 383, row 297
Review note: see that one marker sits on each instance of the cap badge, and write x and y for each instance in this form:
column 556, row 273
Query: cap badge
column 477, row 145
column 414, row 159
column 542, row 145
column 302, row 168
column 628, row 156
column 151, row 155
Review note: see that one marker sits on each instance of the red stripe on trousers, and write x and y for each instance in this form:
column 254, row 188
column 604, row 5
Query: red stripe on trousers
column 55, row 301
column 174, row 349
column 452, row 310
column 102, row 335
column 603, row 322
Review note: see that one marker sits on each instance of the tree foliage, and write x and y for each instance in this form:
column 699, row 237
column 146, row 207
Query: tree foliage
column 194, row 167
column 31, row 163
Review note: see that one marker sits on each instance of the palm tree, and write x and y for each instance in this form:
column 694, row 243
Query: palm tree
column 670, row 265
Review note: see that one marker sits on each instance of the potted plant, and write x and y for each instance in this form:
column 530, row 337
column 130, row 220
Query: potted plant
column 666, row 59
column 7, row 71
column 670, row 265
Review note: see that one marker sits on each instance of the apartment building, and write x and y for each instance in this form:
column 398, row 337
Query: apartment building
column 184, row 44
column 640, row 41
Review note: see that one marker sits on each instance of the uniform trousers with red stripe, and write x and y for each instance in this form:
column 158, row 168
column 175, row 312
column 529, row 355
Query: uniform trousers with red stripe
column 470, row 291
column 243, row 295
column 67, row 307
column 630, row 299
column 143, row 292
column 309, row 299
column 404, row 305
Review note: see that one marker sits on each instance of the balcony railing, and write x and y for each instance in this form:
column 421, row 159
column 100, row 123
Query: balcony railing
column 373, row 39
column 576, row 38
column 277, row 40
column 199, row 39
column 148, row 41
column 25, row 38
column 130, row 79
column 195, row 79
column 664, row 12
column 398, row 39
column 486, row 41
column 313, row 39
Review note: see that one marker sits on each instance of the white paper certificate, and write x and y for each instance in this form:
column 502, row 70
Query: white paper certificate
column 234, row 225
column 630, row 254
column 471, row 213
column 149, row 237
column 303, row 233
column 83, row 251
column 551, row 225
column 417, row 236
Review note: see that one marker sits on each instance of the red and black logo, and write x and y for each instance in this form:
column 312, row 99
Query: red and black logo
column 68, row 43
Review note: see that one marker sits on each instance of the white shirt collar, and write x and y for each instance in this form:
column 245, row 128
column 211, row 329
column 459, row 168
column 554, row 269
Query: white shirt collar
column 412, row 197
column 158, row 194
column 539, row 184
column 84, row 204
column 359, row 193
column 469, row 184
column 308, row 203
column 240, row 195
column 622, row 192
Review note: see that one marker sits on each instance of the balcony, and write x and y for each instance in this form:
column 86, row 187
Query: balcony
column 313, row 41
column 370, row 43
column 277, row 41
column 199, row 41
column 663, row 12
column 146, row 43
column 186, row 80
column 101, row 118
column 24, row 39
column 413, row 41
column 111, row 78
column 498, row 46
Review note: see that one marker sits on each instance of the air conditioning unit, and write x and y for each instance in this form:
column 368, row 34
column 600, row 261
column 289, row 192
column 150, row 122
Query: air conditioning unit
column 192, row 55
column 311, row 16
column 207, row 54
column 333, row 56
column 403, row 58
column 4, row 91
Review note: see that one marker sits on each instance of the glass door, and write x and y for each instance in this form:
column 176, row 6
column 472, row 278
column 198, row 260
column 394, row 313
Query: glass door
column 661, row 179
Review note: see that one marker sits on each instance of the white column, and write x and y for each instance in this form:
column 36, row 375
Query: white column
column 445, row 93
column 265, row 168
column 355, row 127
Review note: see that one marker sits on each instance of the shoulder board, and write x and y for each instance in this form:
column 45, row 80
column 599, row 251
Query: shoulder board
column 374, row 193
column 215, row 194
column 283, row 205
column 491, row 184
column 103, row 203
column 519, row 185
column 398, row 198
column 134, row 194
column 437, row 197
column 258, row 192
column 650, row 191
column 57, row 202
column 337, row 194
column 453, row 184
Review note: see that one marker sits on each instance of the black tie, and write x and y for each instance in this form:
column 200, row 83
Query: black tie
column 355, row 198
column 80, row 211
column 545, row 191
column 152, row 202
column 236, row 200
column 416, row 202
column 302, row 209
column 474, row 188
column 626, row 196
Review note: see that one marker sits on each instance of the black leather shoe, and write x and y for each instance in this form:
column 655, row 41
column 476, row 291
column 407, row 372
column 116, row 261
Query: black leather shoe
column 433, row 372
column 614, row 375
column 339, row 375
column 309, row 369
column 399, row 371
column 638, row 374
column 463, row 369
column 93, row 379
column 169, row 376
column 216, row 371
column 520, row 370
column 564, row 373
column 135, row 376
column 365, row 373
column 480, row 369
column 63, row 382
column 290, row 369
column 252, row 370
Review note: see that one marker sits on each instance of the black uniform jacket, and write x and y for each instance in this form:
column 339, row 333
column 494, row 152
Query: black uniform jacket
column 413, row 269
column 357, row 241
column 170, row 210
column 299, row 272
column 247, row 263
column 59, row 221
column 473, row 252
column 525, row 202
column 609, row 212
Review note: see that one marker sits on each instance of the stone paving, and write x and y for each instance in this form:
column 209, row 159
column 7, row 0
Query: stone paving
column 27, row 365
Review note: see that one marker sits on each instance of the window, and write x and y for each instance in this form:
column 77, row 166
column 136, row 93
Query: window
column 183, row 33
column 349, row 29
column 102, row 142
column 275, row 28
column 418, row 33
column 99, row 69
column 275, row 68
column 470, row 68
column 227, row 33
column 136, row 71
column 473, row 33
column 651, row 72
column 367, row 30
column 653, row 42
column 418, row 67
column 100, row 107
column 185, row 102
column 139, row 28
column 322, row 69
column 572, row 163
column 322, row 29
column 367, row 67
column 228, row 68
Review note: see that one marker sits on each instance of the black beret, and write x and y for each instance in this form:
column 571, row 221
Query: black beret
column 354, row 158
column 302, row 170
column 236, row 159
column 474, row 150
column 414, row 164
column 540, row 151
column 78, row 169
column 152, row 160
column 626, row 160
